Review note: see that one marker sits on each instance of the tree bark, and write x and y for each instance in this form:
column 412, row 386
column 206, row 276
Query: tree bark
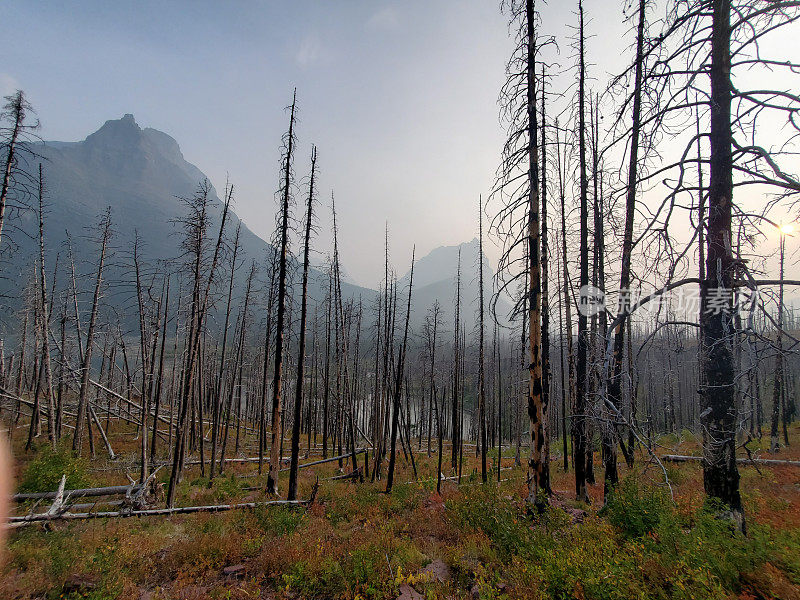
column 87, row 355
column 301, row 356
column 719, row 414
column 579, row 415
column 277, row 376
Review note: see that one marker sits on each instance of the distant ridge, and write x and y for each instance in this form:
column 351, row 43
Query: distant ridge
column 435, row 279
column 141, row 174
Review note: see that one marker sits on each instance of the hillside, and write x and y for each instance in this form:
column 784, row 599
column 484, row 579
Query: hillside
column 435, row 277
column 141, row 174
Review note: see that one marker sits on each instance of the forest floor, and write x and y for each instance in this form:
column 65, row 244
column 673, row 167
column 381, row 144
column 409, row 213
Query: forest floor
column 472, row 541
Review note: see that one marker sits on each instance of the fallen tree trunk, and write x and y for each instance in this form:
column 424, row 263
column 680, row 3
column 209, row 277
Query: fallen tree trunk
column 314, row 463
column 99, row 426
column 327, row 460
column 678, row 458
column 95, row 504
column 111, row 490
column 352, row 475
column 152, row 512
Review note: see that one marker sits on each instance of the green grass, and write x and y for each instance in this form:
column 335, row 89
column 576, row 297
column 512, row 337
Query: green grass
column 357, row 542
column 44, row 472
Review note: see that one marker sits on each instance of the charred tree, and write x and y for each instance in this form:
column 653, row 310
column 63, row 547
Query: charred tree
column 277, row 377
column 301, row 357
column 82, row 411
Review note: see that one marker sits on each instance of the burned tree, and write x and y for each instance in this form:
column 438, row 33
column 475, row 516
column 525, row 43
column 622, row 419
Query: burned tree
column 481, row 358
column 13, row 138
column 521, row 235
column 697, row 64
column 399, row 370
column 277, row 380
column 195, row 242
column 301, row 357
column 83, row 398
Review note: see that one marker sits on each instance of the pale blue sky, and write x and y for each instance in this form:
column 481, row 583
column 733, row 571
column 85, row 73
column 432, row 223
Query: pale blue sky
column 400, row 98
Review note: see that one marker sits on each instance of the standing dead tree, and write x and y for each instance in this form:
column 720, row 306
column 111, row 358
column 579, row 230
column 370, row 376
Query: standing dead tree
column 568, row 380
column 615, row 382
column 195, row 241
column 346, row 423
column 301, row 356
column 235, row 388
column 15, row 131
column 455, row 433
column 277, row 379
column 518, row 224
column 219, row 389
column 82, row 411
column 701, row 64
column 481, row 358
column 429, row 331
column 45, row 310
column 579, row 417
column 399, row 370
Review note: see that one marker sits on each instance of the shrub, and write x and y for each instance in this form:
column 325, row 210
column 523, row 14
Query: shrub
column 787, row 553
column 44, row 472
column 637, row 509
column 278, row 520
column 713, row 545
column 323, row 579
column 480, row 508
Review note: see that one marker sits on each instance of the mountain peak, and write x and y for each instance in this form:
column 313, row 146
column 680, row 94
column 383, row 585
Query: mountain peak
column 116, row 131
column 442, row 263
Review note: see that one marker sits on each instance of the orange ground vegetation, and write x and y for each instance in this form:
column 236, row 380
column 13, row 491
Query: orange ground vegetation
column 357, row 542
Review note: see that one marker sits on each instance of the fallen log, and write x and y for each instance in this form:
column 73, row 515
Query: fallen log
column 679, row 458
column 327, row 460
column 454, row 477
column 352, row 475
column 311, row 464
column 102, row 431
column 111, row 490
column 96, row 503
column 249, row 459
column 151, row 512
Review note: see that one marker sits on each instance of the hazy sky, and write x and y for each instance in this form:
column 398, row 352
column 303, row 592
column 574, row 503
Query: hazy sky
column 399, row 97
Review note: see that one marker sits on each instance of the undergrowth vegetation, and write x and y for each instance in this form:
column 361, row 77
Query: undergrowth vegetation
column 642, row 547
column 357, row 542
column 44, row 472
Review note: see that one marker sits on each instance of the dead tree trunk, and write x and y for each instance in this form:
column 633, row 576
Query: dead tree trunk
column 398, row 384
column 719, row 414
column 615, row 383
column 579, row 416
column 455, row 432
column 215, row 421
column 301, row 356
column 196, row 230
column 160, row 379
column 326, row 389
column 544, row 261
column 146, row 359
column 105, row 224
column 52, row 429
column 277, row 376
column 481, row 358
column 16, row 110
column 538, row 469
